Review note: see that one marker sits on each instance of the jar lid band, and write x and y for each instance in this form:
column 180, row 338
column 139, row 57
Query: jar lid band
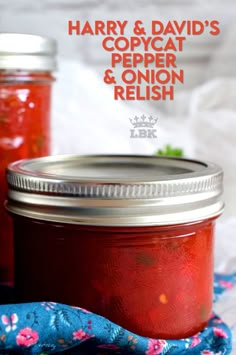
column 27, row 52
column 115, row 190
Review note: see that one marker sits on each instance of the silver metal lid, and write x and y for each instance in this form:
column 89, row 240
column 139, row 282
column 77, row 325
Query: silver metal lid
column 115, row 190
column 27, row 52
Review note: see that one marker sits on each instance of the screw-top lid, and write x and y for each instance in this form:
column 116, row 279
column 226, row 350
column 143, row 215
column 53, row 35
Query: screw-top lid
column 27, row 52
column 115, row 190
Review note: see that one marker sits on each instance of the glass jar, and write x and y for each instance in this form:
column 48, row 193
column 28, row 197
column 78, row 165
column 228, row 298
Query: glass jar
column 127, row 237
column 26, row 65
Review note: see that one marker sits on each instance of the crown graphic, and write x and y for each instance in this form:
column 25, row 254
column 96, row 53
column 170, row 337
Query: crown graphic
column 143, row 121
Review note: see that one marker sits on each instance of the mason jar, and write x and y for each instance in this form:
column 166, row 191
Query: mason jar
column 127, row 237
column 26, row 66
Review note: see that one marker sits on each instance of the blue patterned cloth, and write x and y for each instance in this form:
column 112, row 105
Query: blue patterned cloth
column 48, row 327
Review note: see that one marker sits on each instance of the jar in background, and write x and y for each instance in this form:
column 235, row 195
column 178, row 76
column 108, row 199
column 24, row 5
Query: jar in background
column 127, row 237
column 26, row 66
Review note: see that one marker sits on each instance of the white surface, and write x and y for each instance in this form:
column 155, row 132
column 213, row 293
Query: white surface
column 225, row 262
column 226, row 308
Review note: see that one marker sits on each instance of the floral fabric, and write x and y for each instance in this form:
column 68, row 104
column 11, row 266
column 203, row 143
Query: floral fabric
column 48, row 327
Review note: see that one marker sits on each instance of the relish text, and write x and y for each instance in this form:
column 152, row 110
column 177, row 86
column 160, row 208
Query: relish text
column 148, row 58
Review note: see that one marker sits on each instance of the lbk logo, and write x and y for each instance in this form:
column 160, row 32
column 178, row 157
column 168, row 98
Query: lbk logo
column 143, row 127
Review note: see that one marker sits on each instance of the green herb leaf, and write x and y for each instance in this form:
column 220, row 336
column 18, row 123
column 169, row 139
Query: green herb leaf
column 169, row 151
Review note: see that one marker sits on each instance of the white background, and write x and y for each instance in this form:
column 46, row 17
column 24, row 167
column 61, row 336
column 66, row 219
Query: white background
column 201, row 120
